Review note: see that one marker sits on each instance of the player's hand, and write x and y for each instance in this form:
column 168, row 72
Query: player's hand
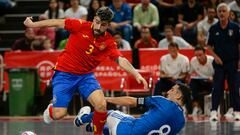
column 28, row 22
column 140, row 79
column 218, row 60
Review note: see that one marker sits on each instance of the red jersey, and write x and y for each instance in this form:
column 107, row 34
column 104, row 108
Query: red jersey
column 83, row 51
column 141, row 44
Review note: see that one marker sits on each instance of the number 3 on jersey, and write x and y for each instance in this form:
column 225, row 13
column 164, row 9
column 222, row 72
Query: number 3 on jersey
column 90, row 49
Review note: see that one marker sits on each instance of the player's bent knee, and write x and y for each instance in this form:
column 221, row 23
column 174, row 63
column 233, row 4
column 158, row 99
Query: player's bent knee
column 59, row 113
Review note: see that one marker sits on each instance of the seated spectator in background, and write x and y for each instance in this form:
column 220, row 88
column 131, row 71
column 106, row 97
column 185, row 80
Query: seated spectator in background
column 93, row 7
column 122, row 44
column 62, row 44
column 145, row 14
column 173, row 67
column 36, row 45
column 53, row 11
column 132, row 3
column 122, row 19
column 85, row 3
column 76, row 11
column 201, row 78
column 146, row 40
column 213, row 3
column 45, row 32
column 190, row 14
column 204, row 25
column 233, row 17
column 47, row 46
column 169, row 10
column 235, row 7
column 24, row 43
column 169, row 37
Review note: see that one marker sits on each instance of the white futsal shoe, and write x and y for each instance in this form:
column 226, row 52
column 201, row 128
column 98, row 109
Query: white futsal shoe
column 237, row 116
column 229, row 114
column 84, row 110
column 46, row 117
column 213, row 116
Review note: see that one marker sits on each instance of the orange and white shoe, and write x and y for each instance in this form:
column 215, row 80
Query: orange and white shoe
column 46, row 117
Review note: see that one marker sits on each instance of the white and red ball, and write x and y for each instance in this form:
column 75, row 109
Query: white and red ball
column 28, row 133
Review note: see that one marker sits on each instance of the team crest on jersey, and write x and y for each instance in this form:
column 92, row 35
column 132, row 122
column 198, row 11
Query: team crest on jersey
column 230, row 32
column 102, row 46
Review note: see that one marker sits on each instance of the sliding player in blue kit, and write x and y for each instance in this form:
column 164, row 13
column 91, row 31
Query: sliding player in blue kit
column 164, row 115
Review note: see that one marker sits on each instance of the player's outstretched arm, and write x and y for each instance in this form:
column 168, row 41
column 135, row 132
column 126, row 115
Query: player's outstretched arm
column 123, row 101
column 126, row 65
column 44, row 23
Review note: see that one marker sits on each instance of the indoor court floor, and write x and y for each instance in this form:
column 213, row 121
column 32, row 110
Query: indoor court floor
column 194, row 126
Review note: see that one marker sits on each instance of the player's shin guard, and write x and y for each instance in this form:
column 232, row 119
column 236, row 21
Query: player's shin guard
column 99, row 119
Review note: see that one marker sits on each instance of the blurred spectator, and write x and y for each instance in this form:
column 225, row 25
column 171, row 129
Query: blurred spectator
column 190, row 14
column 223, row 43
column 93, row 7
column 62, row 44
column 169, row 37
column 204, row 25
column 146, row 40
column 45, row 32
column 132, row 3
column 233, row 17
column 145, row 14
column 47, row 45
column 76, row 11
column 5, row 6
column 173, row 67
column 122, row 19
column 85, row 3
column 24, row 43
column 201, row 73
column 121, row 43
column 213, row 3
column 64, row 4
column 36, row 45
column 53, row 11
column 235, row 7
column 169, row 9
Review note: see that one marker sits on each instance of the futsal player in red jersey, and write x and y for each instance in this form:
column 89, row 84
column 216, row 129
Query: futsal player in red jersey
column 87, row 46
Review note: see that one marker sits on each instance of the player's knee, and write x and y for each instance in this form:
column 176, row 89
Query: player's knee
column 101, row 106
column 59, row 113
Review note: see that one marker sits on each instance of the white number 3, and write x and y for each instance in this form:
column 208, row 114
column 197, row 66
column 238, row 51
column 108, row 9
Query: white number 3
column 163, row 130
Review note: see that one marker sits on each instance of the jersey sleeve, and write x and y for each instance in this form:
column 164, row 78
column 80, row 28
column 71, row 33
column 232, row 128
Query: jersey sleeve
column 73, row 25
column 114, row 53
column 149, row 101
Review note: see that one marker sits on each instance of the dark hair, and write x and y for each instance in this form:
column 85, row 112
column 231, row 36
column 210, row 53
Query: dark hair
column 50, row 14
column 173, row 44
column 117, row 33
column 105, row 14
column 168, row 27
column 186, row 95
column 198, row 48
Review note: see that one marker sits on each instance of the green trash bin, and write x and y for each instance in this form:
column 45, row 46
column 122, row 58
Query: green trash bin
column 21, row 94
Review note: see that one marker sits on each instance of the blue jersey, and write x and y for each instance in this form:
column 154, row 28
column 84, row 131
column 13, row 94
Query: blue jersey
column 163, row 116
column 225, row 41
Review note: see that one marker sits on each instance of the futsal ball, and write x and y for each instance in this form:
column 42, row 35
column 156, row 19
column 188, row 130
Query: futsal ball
column 28, row 133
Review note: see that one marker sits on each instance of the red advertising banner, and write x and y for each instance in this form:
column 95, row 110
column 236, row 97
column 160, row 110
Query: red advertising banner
column 107, row 72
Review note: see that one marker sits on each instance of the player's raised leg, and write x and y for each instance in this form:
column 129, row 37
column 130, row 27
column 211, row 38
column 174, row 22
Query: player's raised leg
column 98, row 101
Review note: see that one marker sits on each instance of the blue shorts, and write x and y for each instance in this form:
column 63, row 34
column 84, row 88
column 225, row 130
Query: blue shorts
column 66, row 84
